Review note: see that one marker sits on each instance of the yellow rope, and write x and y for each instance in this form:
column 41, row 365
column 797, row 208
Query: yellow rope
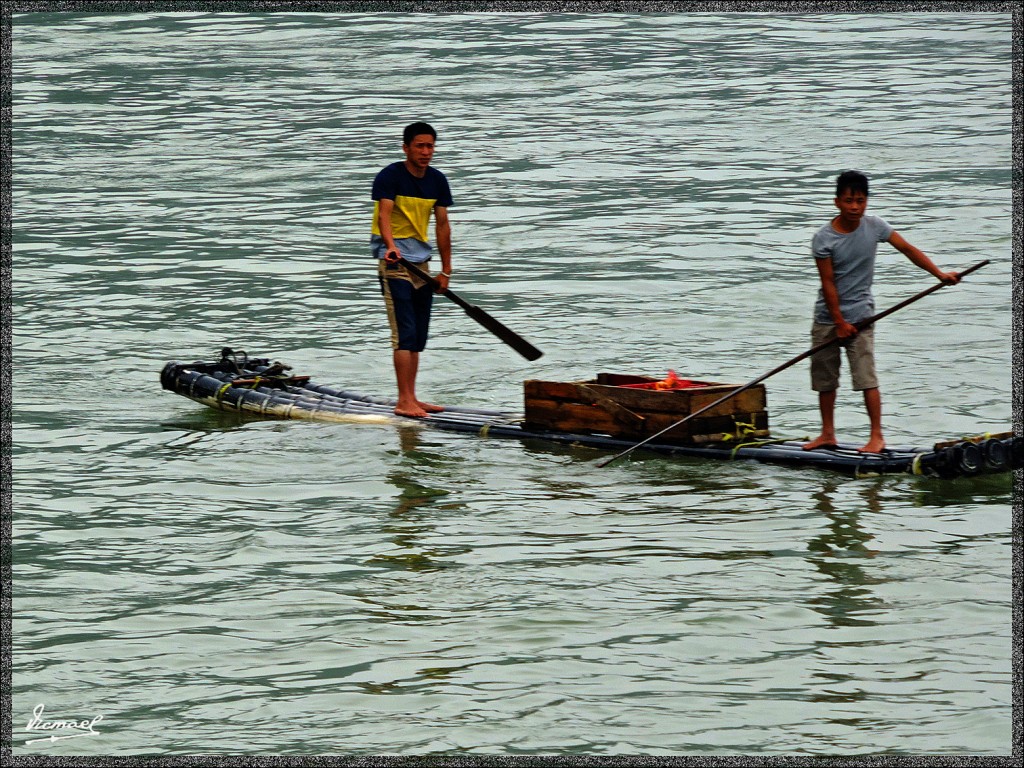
column 743, row 429
column 757, row 443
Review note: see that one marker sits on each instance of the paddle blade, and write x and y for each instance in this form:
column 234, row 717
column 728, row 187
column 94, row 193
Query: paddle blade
column 514, row 340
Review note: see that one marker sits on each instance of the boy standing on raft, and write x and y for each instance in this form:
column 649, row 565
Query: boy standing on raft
column 405, row 194
column 844, row 251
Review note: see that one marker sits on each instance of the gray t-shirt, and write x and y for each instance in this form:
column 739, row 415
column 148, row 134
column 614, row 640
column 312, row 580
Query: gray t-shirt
column 853, row 262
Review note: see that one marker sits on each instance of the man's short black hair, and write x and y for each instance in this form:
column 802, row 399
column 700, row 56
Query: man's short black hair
column 854, row 181
column 416, row 129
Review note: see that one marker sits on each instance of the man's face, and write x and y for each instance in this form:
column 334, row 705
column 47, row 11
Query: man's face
column 420, row 150
column 852, row 205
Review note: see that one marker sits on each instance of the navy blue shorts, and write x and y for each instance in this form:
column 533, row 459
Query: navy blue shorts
column 408, row 306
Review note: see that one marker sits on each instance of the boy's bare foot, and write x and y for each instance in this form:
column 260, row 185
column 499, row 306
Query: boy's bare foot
column 821, row 441
column 874, row 445
column 429, row 408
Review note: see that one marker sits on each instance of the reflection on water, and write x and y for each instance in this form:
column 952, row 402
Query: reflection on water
column 838, row 550
column 966, row 490
column 410, row 521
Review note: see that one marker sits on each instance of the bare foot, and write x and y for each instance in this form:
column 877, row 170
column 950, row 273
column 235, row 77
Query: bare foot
column 413, row 411
column 429, row 408
column 821, row 441
column 874, row 445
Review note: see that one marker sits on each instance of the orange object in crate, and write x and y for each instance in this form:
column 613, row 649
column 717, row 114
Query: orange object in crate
column 669, row 382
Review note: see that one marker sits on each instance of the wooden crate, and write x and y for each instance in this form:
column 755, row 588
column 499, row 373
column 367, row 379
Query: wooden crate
column 602, row 406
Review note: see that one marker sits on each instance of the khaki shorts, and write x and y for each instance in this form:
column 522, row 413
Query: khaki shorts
column 860, row 353
column 408, row 300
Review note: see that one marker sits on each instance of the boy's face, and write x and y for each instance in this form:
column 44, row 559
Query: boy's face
column 851, row 205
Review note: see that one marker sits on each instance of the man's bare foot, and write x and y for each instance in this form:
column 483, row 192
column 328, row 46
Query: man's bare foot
column 821, row 441
column 413, row 411
column 874, row 445
column 429, row 408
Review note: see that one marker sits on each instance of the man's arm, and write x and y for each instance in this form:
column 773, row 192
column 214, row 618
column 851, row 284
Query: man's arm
column 844, row 330
column 918, row 257
column 384, row 209
column 443, row 232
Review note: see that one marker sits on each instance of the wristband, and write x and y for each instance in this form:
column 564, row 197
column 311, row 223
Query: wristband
column 446, row 274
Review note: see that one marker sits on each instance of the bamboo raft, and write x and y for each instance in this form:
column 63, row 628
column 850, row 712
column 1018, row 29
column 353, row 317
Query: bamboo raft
column 261, row 388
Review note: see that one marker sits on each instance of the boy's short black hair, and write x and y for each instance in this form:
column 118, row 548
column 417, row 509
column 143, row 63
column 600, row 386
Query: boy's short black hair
column 416, row 129
column 854, row 181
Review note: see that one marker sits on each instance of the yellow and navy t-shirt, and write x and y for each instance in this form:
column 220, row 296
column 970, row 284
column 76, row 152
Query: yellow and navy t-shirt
column 415, row 199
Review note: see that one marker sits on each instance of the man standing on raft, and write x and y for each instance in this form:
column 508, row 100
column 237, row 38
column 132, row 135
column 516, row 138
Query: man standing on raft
column 405, row 194
column 844, row 250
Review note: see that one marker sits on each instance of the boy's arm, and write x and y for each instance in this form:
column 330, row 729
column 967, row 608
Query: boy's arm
column 918, row 257
column 844, row 330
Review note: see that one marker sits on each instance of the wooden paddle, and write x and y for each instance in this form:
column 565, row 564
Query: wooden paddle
column 803, row 355
column 514, row 340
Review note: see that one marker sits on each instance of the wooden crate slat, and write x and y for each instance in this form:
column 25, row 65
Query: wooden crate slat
column 601, row 406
